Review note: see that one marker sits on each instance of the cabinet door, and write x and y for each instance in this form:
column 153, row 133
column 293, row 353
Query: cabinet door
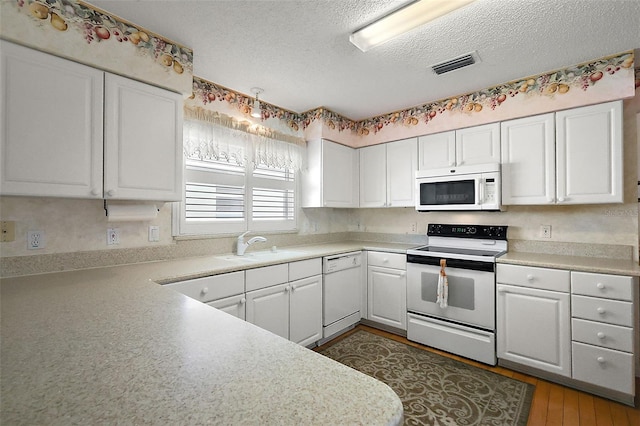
column 437, row 150
column 143, row 141
column 478, row 145
column 387, row 293
column 533, row 328
column 373, row 176
column 305, row 310
column 589, row 153
column 234, row 305
column 269, row 309
column 402, row 163
column 50, row 125
column 528, row 160
column 340, row 187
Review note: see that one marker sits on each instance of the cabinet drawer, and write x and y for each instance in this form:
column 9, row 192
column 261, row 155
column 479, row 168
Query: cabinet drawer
column 600, row 334
column 211, row 288
column 266, row 277
column 603, row 367
column 305, row 268
column 387, row 260
column 542, row 278
column 604, row 310
column 602, row 285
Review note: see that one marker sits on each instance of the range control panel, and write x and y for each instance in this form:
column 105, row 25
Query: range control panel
column 467, row 231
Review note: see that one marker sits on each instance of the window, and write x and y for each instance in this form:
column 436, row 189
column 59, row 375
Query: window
column 243, row 182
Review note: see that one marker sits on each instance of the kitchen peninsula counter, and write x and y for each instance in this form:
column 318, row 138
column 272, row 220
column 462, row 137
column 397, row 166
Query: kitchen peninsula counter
column 110, row 345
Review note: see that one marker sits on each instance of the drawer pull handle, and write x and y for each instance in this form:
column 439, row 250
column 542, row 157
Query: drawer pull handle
column 293, row 287
column 600, row 335
column 600, row 360
column 601, row 311
column 385, row 260
column 205, row 290
column 287, row 288
column 600, row 286
column 529, row 277
column 403, row 273
column 243, row 300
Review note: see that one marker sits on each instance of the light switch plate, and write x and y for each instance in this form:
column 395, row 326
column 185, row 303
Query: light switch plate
column 7, row 231
column 154, row 233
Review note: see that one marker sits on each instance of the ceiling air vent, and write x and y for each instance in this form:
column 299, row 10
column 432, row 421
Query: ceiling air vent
column 456, row 63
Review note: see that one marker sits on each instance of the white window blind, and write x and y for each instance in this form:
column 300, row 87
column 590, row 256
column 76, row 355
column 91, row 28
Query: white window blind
column 234, row 183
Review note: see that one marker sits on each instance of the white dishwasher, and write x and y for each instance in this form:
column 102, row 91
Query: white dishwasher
column 342, row 292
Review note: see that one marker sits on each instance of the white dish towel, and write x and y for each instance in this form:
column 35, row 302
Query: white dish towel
column 443, row 286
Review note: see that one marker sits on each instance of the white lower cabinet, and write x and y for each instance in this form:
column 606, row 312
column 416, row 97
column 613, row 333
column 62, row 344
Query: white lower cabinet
column 291, row 309
column 533, row 328
column 224, row 291
column 268, row 308
column 602, row 330
column 234, row 305
column 592, row 344
column 284, row 299
column 387, row 289
column 305, row 310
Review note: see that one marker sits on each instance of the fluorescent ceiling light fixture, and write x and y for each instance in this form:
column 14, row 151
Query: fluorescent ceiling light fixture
column 403, row 20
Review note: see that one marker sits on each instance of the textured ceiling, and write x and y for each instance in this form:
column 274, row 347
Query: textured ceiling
column 299, row 51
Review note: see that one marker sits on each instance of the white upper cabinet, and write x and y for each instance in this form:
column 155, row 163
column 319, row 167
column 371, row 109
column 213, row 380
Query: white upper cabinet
column 472, row 145
column 402, row 164
column 373, row 176
column 568, row 157
column 528, row 160
column 437, row 151
column 143, row 141
column 331, row 178
column 387, row 174
column 478, row 145
column 51, row 125
column 69, row 130
column 589, row 154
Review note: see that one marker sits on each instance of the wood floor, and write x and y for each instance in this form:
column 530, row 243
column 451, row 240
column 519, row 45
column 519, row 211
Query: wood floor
column 552, row 404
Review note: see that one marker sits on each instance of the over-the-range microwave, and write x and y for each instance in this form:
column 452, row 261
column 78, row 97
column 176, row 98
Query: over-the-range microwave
column 475, row 187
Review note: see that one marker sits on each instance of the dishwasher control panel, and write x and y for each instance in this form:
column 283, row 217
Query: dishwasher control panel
column 341, row 262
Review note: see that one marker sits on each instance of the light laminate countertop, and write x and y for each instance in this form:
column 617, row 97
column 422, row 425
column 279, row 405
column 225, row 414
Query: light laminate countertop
column 110, row 345
column 573, row 263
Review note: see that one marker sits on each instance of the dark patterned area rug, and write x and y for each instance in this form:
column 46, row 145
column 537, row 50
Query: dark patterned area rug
column 436, row 390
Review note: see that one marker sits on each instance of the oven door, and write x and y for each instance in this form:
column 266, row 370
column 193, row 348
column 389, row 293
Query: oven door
column 471, row 293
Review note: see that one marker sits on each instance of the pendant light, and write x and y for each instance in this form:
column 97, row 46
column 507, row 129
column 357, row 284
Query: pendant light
column 256, row 111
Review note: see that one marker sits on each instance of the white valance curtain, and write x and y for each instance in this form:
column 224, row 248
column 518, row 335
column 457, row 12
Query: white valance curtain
column 209, row 135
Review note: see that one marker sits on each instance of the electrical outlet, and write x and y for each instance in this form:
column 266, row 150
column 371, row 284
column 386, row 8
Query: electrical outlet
column 154, row 233
column 7, row 231
column 545, row 231
column 35, row 240
column 414, row 227
column 113, row 236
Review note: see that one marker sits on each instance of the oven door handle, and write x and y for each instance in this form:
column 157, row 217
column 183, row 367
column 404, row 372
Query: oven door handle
column 452, row 263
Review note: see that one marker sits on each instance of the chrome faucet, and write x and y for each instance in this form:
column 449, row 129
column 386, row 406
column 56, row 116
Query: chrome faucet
column 242, row 246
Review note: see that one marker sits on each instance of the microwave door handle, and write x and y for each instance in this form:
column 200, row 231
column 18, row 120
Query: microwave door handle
column 480, row 191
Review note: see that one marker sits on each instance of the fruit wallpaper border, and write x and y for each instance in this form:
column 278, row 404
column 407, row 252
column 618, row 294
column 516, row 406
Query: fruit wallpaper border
column 600, row 80
column 87, row 34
